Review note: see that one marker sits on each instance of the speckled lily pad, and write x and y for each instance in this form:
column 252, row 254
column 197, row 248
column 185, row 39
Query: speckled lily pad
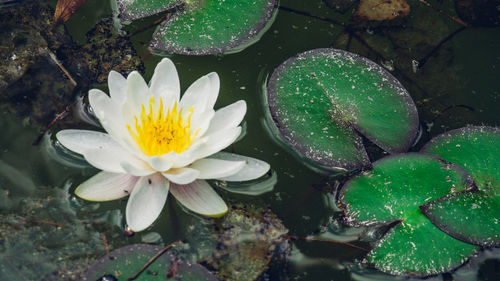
column 201, row 27
column 472, row 216
column 136, row 9
column 391, row 193
column 322, row 100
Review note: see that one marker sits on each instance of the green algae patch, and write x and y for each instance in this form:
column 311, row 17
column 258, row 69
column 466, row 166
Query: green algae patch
column 322, row 102
column 392, row 193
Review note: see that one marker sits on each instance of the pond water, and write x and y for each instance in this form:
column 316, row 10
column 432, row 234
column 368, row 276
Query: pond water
column 48, row 233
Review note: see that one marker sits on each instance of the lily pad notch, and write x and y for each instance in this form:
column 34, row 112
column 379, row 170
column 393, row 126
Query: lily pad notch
column 322, row 102
column 391, row 194
column 472, row 216
column 202, row 27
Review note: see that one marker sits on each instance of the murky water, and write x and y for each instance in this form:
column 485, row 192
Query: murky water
column 46, row 232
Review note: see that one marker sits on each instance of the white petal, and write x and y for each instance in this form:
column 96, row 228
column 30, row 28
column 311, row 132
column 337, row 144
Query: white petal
column 137, row 89
column 200, row 198
column 101, row 104
column 185, row 158
column 214, row 89
column 165, row 81
column 181, row 175
column 200, row 123
column 253, row 169
column 228, row 117
column 109, row 114
column 159, row 163
column 110, row 159
column 117, row 86
column 146, row 201
column 197, row 95
column 217, row 141
column 216, row 168
column 82, row 140
column 106, row 186
column 137, row 169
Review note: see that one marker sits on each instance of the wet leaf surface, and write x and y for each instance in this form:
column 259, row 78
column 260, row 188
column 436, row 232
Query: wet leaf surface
column 136, row 9
column 321, row 100
column 213, row 27
column 391, row 193
column 472, row 216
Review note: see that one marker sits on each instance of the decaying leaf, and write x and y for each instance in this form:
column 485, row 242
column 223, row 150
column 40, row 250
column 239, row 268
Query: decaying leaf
column 380, row 10
column 65, row 9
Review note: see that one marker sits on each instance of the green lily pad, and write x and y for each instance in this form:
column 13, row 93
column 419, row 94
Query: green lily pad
column 321, row 100
column 213, row 26
column 136, row 9
column 124, row 262
column 391, row 193
column 472, row 216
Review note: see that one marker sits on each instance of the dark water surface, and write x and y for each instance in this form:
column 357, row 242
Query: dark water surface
column 45, row 232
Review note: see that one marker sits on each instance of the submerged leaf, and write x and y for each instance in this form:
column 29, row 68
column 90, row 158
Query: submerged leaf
column 392, row 193
column 124, row 262
column 472, row 216
column 380, row 10
column 322, row 99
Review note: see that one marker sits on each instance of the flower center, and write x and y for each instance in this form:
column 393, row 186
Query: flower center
column 158, row 132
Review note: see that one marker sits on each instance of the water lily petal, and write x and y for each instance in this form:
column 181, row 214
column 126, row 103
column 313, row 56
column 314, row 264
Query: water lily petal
column 109, row 114
column 165, row 81
column 181, row 175
column 117, row 86
column 201, row 123
column 137, row 169
column 146, row 201
column 227, row 117
column 110, row 159
column 185, row 158
column 197, row 95
column 216, row 168
column 159, row 163
column 200, row 198
column 253, row 169
column 137, row 90
column 82, row 140
column 217, row 141
column 106, row 186
column 214, row 89
column 101, row 104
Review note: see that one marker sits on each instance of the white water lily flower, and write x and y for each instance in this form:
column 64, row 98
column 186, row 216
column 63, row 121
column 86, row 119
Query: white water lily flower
column 156, row 143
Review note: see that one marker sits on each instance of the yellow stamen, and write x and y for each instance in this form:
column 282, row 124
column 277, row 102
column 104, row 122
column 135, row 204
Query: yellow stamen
column 157, row 132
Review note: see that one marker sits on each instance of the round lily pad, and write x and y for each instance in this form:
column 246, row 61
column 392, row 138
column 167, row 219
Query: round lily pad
column 323, row 99
column 213, row 26
column 392, row 193
column 472, row 216
column 125, row 262
column 136, row 9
